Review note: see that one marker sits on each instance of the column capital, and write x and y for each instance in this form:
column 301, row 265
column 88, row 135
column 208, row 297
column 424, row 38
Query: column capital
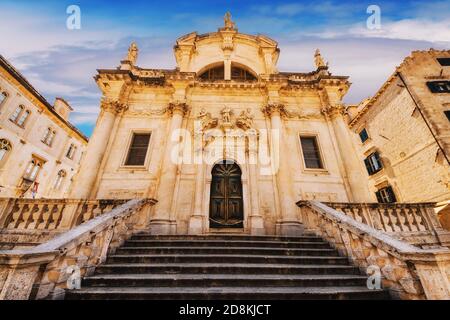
column 115, row 107
column 334, row 111
column 274, row 108
column 178, row 107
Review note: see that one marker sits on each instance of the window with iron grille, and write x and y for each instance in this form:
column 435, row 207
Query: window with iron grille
column 386, row 195
column 138, row 149
column 311, row 153
column 373, row 163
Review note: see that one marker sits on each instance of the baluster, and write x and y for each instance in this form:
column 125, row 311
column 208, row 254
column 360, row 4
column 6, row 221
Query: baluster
column 393, row 219
column 420, row 221
column 25, row 216
column 55, row 217
column 88, row 215
column 45, row 217
column 410, row 219
column 36, row 216
column 386, row 220
column 401, row 219
column 14, row 216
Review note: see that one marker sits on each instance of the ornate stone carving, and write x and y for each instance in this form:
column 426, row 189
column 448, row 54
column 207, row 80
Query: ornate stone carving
column 179, row 107
column 133, row 53
column 334, row 111
column 245, row 120
column 207, row 121
column 113, row 106
column 270, row 109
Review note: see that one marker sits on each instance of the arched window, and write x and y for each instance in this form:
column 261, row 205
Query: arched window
column 3, row 97
column 49, row 136
column 16, row 114
column 59, row 179
column 71, row 152
column 33, row 169
column 5, row 148
column 239, row 74
column 20, row 116
column 213, row 74
column 218, row 73
column 23, row 118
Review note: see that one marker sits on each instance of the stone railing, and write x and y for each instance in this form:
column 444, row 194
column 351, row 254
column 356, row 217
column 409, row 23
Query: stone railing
column 409, row 272
column 43, row 272
column 416, row 223
column 26, row 222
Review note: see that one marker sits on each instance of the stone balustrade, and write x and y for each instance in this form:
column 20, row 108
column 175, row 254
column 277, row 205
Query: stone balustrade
column 409, row 272
column 27, row 222
column 416, row 223
column 43, row 272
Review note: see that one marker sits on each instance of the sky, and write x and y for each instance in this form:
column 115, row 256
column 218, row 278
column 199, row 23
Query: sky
column 62, row 63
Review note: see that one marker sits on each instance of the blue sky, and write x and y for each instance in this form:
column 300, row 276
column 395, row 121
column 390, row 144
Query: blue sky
column 60, row 62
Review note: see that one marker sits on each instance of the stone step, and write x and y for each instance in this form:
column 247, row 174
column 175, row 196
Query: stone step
column 226, row 243
column 223, row 280
column 225, row 268
column 225, row 250
column 309, row 238
column 226, row 258
column 227, row 293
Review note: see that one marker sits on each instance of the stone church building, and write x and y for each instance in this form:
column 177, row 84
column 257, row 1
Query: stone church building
column 225, row 140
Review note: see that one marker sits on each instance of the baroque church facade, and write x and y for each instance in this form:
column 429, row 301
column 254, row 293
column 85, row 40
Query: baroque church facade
column 225, row 141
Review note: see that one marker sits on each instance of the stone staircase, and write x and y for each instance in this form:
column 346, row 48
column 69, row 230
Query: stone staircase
column 234, row 267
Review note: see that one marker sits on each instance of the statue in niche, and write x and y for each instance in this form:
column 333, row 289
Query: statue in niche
column 245, row 120
column 133, row 52
column 226, row 115
column 320, row 63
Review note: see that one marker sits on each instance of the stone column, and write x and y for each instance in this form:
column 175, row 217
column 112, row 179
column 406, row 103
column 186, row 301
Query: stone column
column 197, row 219
column 256, row 220
column 352, row 165
column 161, row 222
column 86, row 177
column 288, row 224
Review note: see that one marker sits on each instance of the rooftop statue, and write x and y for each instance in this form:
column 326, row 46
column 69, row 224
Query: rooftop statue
column 229, row 24
column 133, row 52
column 320, row 63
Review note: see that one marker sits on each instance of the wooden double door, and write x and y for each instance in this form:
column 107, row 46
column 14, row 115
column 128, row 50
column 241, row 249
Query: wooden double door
column 226, row 205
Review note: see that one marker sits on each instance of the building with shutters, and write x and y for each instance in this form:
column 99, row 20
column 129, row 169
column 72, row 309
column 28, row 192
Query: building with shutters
column 224, row 140
column 40, row 150
column 403, row 132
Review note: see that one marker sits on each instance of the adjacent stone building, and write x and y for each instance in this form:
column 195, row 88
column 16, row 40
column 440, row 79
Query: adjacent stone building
column 249, row 141
column 403, row 132
column 40, row 150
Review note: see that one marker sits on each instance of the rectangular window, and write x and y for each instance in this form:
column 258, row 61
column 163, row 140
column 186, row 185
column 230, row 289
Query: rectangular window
column 439, row 86
column 364, row 135
column 138, row 149
column 33, row 169
column 445, row 62
column 311, row 153
column 373, row 163
column 386, row 195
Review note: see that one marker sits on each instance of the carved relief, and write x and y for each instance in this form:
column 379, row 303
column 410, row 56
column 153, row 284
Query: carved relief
column 245, row 120
column 113, row 106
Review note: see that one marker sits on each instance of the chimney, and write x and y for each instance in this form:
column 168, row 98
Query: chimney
column 62, row 108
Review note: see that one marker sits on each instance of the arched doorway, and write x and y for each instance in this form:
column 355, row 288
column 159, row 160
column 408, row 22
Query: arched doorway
column 226, row 205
